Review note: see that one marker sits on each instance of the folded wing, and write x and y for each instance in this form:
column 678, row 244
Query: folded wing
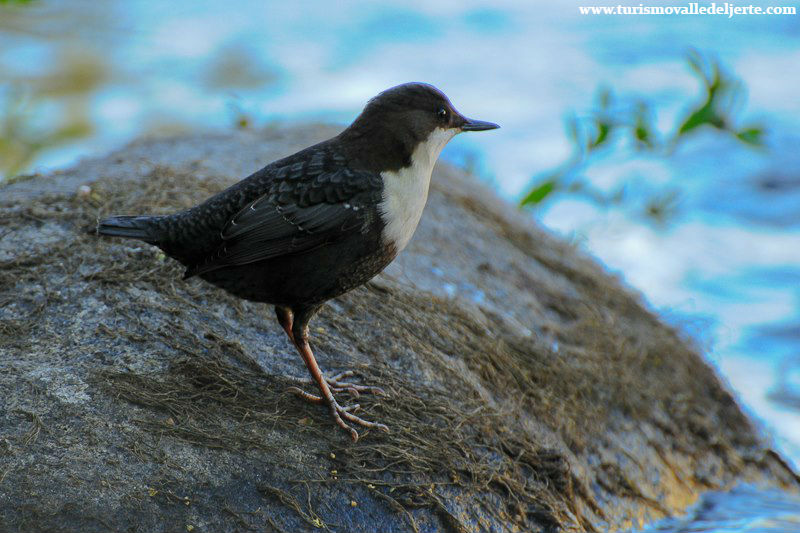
column 296, row 216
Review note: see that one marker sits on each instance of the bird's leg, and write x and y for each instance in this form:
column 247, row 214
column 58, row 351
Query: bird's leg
column 339, row 413
column 286, row 319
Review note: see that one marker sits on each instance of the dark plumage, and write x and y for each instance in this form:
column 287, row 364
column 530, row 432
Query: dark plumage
column 318, row 223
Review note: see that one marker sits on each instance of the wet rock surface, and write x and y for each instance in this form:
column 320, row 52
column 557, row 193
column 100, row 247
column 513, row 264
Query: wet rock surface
column 528, row 390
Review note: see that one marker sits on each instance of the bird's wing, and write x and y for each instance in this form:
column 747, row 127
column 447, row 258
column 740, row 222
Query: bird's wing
column 297, row 214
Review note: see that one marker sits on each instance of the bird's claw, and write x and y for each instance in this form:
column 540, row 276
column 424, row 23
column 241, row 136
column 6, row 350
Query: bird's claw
column 336, row 385
column 307, row 396
column 340, row 414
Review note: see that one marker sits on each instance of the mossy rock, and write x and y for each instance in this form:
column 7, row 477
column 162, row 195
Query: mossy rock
column 527, row 388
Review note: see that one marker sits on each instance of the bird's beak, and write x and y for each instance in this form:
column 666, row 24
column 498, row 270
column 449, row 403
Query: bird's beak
column 477, row 125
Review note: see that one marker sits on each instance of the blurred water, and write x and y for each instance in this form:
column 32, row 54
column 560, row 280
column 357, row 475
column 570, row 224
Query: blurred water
column 727, row 269
column 744, row 509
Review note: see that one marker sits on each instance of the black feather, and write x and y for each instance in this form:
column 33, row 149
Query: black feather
column 296, row 216
column 132, row 227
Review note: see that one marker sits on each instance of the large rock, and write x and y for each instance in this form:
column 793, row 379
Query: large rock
column 528, row 389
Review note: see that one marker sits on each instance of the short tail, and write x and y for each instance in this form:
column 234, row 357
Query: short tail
column 132, row 227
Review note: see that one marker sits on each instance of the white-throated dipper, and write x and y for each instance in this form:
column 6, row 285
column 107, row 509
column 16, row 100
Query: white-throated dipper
column 314, row 225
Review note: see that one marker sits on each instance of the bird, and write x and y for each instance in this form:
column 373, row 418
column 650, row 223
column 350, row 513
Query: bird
column 314, row 225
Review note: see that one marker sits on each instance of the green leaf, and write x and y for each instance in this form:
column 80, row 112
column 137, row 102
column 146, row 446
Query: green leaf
column 539, row 193
column 643, row 134
column 753, row 136
column 643, row 131
column 720, row 89
column 603, row 129
column 703, row 67
column 704, row 115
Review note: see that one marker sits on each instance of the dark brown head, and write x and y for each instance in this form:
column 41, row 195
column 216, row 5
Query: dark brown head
column 401, row 119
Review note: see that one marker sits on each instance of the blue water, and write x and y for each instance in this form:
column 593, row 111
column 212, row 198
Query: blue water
column 726, row 268
column 744, row 509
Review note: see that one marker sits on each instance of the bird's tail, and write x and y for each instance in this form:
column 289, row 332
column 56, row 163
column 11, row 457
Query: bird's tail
column 132, row 227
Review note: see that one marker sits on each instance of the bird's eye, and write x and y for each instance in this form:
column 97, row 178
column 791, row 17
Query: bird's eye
column 441, row 113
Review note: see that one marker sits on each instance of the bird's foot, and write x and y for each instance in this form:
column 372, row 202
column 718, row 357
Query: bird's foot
column 339, row 413
column 336, row 385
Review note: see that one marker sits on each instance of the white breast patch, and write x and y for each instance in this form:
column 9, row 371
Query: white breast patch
column 405, row 191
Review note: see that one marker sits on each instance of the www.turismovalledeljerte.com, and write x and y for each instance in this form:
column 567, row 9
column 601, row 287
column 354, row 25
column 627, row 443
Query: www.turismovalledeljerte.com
column 692, row 8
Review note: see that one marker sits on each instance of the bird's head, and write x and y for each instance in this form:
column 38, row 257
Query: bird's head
column 409, row 118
